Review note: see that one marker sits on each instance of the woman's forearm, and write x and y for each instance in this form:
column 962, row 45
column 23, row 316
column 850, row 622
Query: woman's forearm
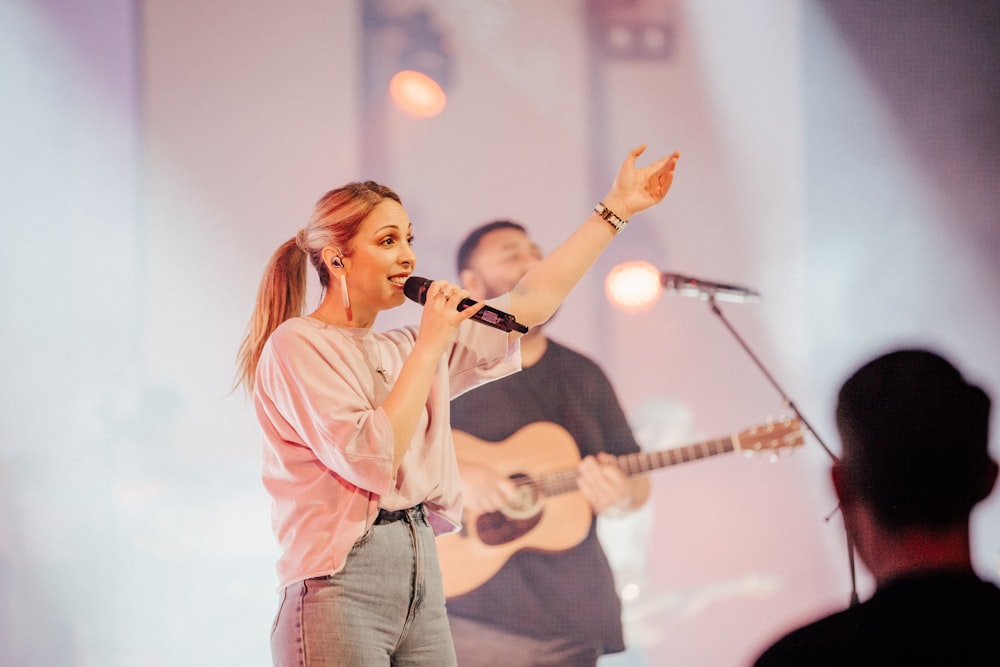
column 538, row 294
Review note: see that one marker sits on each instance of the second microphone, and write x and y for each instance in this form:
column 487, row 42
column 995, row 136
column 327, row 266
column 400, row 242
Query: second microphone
column 415, row 289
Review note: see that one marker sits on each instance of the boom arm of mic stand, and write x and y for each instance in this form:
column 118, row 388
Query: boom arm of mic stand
column 770, row 378
column 791, row 405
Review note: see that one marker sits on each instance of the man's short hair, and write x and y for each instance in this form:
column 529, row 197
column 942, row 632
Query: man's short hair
column 915, row 436
column 471, row 242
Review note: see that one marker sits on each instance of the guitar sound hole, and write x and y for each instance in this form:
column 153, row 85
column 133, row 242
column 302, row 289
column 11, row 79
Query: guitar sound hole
column 528, row 501
column 523, row 514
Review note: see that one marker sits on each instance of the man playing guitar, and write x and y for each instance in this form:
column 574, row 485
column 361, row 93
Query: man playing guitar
column 547, row 604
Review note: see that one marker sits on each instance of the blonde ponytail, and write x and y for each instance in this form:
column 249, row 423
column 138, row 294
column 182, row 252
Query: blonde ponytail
column 281, row 296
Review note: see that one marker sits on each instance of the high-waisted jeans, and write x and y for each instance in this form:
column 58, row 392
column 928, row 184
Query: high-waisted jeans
column 385, row 607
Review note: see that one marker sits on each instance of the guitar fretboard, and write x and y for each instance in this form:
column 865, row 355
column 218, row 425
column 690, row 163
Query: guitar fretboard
column 564, row 481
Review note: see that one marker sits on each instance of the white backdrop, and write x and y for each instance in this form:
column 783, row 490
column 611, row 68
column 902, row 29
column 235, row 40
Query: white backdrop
column 837, row 157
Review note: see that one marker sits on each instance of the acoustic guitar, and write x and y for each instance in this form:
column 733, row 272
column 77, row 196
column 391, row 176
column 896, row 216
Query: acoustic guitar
column 550, row 514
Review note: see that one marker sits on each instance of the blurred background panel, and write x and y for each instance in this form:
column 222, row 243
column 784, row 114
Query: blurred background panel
column 837, row 157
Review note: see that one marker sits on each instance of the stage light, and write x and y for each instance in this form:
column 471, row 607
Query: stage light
column 633, row 29
column 407, row 59
column 417, row 94
column 633, row 286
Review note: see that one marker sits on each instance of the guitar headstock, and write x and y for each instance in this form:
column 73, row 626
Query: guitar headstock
column 770, row 436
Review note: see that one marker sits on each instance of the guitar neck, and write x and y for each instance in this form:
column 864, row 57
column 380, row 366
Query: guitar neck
column 564, row 481
column 643, row 462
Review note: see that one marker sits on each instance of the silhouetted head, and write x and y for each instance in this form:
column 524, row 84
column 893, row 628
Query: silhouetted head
column 915, row 436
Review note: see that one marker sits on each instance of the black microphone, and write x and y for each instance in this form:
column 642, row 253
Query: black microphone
column 415, row 288
column 706, row 289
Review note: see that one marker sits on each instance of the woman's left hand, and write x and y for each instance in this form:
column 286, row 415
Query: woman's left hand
column 636, row 189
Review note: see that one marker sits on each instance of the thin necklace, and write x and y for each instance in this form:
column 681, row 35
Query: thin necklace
column 380, row 369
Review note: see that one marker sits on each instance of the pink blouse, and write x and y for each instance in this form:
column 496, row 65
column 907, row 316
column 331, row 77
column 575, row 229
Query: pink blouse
column 328, row 444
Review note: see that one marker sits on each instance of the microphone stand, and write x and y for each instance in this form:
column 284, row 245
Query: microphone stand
column 791, row 405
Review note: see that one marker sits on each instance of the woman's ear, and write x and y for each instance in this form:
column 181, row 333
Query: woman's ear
column 333, row 257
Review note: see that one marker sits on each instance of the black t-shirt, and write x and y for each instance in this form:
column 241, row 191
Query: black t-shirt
column 943, row 618
column 569, row 594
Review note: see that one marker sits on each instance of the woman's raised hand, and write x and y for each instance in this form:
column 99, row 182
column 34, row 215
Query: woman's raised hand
column 637, row 188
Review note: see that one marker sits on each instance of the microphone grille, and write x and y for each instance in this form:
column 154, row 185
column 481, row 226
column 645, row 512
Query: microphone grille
column 415, row 288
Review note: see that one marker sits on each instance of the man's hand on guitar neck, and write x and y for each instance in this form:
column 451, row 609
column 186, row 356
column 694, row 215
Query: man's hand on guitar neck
column 607, row 488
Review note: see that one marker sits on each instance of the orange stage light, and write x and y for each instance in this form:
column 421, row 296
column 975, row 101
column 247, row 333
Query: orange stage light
column 417, row 94
column 633, row 286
